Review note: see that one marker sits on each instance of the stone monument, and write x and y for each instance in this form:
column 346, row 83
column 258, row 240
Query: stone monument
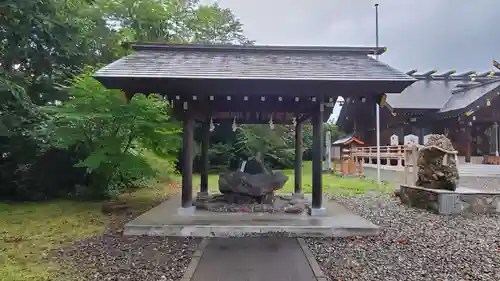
column 436, row 186
column 411, row 140
column 426, row 138
column 252, row 189
column 252, row 186
column 437, row 167
column 394, row 140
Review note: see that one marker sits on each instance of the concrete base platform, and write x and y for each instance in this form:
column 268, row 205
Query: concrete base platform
column 164, row 220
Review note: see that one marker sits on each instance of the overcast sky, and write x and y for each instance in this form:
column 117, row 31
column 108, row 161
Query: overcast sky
column 419, row 34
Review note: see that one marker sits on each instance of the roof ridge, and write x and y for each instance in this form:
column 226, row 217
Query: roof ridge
column 252, row 48
column 475, row 84
column 449, row 75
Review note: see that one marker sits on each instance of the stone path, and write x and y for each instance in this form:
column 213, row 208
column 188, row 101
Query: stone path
column 254, row 259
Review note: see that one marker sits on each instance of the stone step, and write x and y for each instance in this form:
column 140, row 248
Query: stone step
column 479, row 170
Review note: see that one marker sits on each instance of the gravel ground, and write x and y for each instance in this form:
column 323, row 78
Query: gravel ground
column 413, row 245
column 115, row 257
column 112, row 256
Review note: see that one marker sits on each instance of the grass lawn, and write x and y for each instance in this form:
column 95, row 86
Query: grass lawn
column 331, row 183
column 29, row 231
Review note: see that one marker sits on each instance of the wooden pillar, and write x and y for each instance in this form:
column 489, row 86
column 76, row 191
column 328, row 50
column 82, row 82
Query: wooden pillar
column 495, row 138
column 406, row 130
column 205, row 140
column 299, row 136
column 421, row 134
column 317, row 155
column 400, row 152
column 468, row 137
column 187, row 158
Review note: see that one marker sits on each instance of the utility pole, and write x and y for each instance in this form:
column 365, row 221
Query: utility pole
column 377, row 106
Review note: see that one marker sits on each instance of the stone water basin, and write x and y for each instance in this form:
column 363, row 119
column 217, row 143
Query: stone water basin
column 461, row 201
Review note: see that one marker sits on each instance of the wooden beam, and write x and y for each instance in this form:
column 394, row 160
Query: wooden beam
column 252, row 87
column 255, row 117
column 468, row 135
column 212, row 105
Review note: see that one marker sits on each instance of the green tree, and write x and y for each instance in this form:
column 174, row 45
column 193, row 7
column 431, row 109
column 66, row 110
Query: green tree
column 216, row 25
column 173, row 21
column 263, row 143
column 334, row 130
column 111, row 132
column 45, row 43
column 308, row 137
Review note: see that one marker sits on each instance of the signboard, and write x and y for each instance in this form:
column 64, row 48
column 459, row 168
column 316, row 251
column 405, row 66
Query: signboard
column 328, row 144
column 394, row 140
column 410, row 140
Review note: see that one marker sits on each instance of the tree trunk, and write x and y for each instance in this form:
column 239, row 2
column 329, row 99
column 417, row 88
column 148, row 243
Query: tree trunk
column 260, row 159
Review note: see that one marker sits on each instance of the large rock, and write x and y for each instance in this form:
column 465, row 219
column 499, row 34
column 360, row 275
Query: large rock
column 254, row 167
column 432, row 173
column 257, row 186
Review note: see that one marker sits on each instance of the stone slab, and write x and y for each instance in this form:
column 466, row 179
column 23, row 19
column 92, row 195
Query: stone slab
column 262, row 258
column 447, row 202
column 163, row 220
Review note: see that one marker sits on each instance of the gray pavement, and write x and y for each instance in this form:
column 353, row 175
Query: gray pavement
column 253, row 259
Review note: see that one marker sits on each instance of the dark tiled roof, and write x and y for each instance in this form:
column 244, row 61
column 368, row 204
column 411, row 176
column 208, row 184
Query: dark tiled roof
column 343, row 139
column 423, row 94
column 347, row 139
column 254, row 62
column 462, row 98
column 443, row 93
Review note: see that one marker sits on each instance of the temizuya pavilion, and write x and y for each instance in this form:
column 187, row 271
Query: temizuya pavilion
column 253, row 84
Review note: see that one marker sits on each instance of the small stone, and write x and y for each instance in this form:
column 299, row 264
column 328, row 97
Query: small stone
column 457, row 247
column 116, row 257
column 294, row 209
